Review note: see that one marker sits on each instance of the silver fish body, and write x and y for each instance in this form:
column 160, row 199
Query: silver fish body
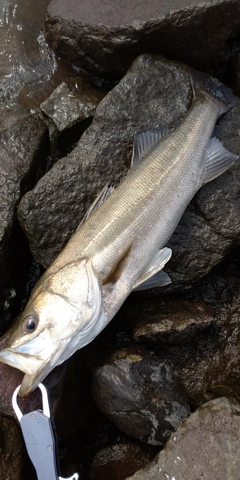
column 122, row 244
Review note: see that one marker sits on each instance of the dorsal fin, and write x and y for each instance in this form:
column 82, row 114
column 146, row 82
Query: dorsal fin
column 99, row 200
column 144, row 141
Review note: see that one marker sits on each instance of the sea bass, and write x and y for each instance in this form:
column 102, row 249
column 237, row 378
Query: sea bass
column 121, row 246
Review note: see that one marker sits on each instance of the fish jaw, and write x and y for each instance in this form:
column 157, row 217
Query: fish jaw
column 30, row 381
column 34, row 367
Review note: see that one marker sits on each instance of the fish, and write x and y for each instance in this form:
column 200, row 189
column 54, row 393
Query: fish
column 121, row 245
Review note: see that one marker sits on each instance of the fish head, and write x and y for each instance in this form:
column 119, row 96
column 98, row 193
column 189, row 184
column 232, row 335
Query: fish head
column 63, row 314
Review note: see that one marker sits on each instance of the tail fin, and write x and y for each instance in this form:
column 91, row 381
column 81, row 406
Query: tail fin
column 213, row 88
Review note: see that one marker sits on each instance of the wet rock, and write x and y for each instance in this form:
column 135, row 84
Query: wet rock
column 12, row 450
column 140, row 393
column 68, row 105
column 209, row 365
column 105, row 40
column 167, row 320
column 120, row 460
column 59, row 201
column 24, row 145
column 206, row 445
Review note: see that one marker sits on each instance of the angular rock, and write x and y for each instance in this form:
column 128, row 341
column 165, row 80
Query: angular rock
column 27, row 63
column 155, row 92
column 167, row 320
column 140, row 393
column 206, row 445
column 120, row 460
column 209, row 364
column 68, row 105
column 12, row 450
column 24, row 146
column 105, row 40
column 51, row 212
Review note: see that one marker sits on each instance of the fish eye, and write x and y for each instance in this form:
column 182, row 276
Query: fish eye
column 29, row 323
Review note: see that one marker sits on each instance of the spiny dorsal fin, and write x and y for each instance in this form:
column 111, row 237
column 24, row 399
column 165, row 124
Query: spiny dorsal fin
column 99, row 200
column 218, row 159
column 144, row 141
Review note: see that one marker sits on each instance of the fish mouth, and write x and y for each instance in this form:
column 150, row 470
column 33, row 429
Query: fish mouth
column 32, row 367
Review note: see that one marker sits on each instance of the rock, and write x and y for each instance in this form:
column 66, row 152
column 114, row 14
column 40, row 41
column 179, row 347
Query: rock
column 139, row 392
column 27, row 63
column 155, row 92
column 68, row 105
column 209, row 365
column 59, row 201
column 167, row 320
column 24, row 145
column 206, row 445
column 12, row 450
column 105, row 40
column 120, row 460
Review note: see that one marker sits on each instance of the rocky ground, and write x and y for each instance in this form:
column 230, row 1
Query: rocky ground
column 157, row 392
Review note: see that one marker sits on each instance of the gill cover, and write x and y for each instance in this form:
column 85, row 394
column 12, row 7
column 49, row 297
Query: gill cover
column 78, row 285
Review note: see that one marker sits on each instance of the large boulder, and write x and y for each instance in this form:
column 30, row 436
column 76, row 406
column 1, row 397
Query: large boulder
column 13, row 456
column 154, row 93
column 141, row 394
column 206, row 445
column 203, row 345
column 24, row 147
column 120, row 460
column 105, row 38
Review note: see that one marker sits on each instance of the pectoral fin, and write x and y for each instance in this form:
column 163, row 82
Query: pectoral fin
column 154, row 276
column 218, row 159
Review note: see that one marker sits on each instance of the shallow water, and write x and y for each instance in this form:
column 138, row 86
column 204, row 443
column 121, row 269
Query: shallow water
column 29, row 70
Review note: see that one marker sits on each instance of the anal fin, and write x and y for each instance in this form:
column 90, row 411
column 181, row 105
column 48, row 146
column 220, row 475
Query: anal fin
column 218, row 159
column 153, row 275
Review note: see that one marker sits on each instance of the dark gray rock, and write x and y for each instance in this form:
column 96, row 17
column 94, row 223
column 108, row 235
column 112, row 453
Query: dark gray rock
column 155, row 92
column 68, row 105
column 12, row 450
column 24, row 147
column 167, row 320
column 209, row 364
column 206, row 445
column 104, row 38
column 120, row 460
column 141, row 394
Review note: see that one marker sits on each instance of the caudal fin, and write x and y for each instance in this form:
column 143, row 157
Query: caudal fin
column 213, row 88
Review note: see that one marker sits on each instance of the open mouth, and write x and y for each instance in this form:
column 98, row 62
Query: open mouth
column 31, row 366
